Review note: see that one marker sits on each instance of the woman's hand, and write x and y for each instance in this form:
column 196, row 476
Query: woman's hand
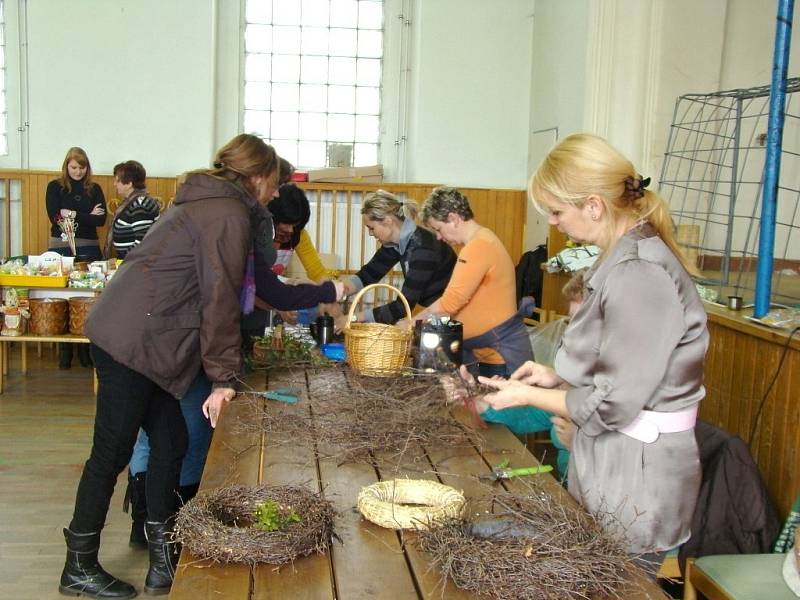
column 509, row 392
column 217, row 400
column 98, row 210
column 456, row 390
column 67, row 213
column 532, row 373
column 339, row 322
column 405, row 324
column 288, row 316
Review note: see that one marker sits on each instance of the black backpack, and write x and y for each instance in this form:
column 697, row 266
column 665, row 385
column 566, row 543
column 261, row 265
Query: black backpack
column 529, row 273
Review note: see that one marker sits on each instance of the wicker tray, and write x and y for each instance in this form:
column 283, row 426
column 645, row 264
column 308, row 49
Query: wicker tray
column 377, row 349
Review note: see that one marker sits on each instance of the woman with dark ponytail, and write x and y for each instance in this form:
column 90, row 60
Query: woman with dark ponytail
column 171, row 311
column 628, row 376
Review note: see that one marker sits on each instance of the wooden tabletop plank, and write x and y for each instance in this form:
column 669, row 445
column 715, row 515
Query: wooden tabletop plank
column 234, row 457
column 288, row 461
column 415, row 464
column 370, row 564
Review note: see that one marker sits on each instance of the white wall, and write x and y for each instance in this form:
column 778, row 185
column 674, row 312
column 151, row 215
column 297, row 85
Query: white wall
column 122, row 79
column 159, row 82
column 557, row 87
column 469, row 108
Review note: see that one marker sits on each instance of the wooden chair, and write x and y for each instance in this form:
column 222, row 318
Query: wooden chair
column 737, row 577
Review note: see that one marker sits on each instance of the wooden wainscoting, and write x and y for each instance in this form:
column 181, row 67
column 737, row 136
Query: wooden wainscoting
column 336, row 227
column 742, row 360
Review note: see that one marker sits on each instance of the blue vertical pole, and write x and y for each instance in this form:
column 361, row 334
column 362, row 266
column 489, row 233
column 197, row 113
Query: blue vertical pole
column 772, row 166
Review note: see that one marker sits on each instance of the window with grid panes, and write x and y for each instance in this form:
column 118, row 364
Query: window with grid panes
column 312, row 77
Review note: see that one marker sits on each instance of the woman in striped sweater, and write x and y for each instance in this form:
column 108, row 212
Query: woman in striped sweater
column 137, row 212
column 426, row 262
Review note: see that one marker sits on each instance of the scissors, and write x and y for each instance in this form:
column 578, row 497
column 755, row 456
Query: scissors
column 505, row 473
column 285, row 395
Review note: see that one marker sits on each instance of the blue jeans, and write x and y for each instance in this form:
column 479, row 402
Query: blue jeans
column 199, row 435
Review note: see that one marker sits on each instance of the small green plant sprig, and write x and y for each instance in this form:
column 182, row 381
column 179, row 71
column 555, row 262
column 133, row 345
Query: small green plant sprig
column 271, row 516
column 294, row 352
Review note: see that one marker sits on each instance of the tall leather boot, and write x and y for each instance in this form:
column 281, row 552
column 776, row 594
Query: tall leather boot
column 83, row 575
column 164, row 555
column 136, row 499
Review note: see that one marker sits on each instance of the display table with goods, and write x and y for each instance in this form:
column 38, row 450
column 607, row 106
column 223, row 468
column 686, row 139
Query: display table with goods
column 278, row 513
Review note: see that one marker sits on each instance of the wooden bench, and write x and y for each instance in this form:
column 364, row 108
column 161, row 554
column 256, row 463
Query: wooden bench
column 24, row 339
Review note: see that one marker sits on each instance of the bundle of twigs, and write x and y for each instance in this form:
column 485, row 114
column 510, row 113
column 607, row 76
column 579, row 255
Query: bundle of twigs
column 68, row 227
column 530, row 546
column 222, row 525
column 356, row 418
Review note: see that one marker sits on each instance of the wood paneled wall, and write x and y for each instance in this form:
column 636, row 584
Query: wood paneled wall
column 36, row 226
column 741, row 362
column 503, row 211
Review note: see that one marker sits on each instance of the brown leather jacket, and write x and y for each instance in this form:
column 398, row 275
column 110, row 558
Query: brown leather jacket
column 173, row 305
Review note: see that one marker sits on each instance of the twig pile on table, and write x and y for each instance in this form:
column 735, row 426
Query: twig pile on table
column 529, row 546
column 222, row 525
column 367, row 419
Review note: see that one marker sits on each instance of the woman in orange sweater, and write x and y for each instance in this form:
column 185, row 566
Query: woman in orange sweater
column 482, row 290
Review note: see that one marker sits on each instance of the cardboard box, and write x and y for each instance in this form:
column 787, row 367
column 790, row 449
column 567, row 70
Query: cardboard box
column 372, row 174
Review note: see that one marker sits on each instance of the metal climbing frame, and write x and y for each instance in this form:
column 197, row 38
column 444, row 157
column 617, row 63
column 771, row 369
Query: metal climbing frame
column 712, row 178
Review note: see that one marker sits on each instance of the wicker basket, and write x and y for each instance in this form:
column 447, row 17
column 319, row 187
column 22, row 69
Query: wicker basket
column 386, row 503
column 79, row 308
column 377, row 349
column 49, row 316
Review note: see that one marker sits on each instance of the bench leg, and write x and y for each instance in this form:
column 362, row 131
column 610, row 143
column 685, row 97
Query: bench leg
column 94, row 380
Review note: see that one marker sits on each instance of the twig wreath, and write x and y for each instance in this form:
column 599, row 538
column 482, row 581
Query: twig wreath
column 530, row 546
column 261, row 524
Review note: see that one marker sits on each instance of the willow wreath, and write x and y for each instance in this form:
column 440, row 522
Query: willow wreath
column 409, row 503
column 260, row 524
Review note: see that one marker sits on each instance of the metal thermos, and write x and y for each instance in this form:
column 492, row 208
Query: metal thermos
column 324, row 329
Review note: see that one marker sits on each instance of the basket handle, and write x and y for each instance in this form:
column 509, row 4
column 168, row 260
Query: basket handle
column 365, row 289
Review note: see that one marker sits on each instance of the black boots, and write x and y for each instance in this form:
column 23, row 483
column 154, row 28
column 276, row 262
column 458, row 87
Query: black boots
column 136, row 499
column 64, row 356
column 83, row 575
column 84, row 356
column 164, row 554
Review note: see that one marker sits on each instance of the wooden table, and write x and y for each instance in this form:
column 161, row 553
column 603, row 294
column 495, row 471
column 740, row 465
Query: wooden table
column 24, row 339
column 371, row 563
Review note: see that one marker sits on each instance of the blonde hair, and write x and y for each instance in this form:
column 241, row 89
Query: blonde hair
column 79, row 156
column 582, row 165
column 381, row 204
column 242, row 158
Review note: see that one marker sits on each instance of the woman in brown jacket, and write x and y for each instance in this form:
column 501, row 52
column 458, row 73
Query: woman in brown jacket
column 171, row 309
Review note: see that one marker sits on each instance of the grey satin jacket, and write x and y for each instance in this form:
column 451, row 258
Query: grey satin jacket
column 637, row 342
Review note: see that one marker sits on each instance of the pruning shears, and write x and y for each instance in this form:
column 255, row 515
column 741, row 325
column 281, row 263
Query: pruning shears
column 285, row 395
column 504, row 473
